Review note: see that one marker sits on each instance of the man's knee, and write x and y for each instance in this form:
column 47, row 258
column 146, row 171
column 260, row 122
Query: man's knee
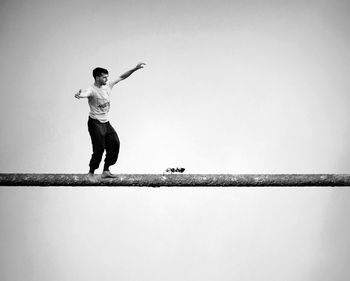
column 98, row 149
column 115, row 142
column 115, row 147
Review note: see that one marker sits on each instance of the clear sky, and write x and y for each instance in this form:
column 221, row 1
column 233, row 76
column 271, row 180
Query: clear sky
column 133, row 234
column 229, row 86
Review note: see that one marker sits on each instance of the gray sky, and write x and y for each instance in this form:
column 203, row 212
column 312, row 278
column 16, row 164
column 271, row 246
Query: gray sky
column 229, row 87
column 131, row 234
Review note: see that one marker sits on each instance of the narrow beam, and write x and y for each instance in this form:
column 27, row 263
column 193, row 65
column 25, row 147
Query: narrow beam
column 157, row 180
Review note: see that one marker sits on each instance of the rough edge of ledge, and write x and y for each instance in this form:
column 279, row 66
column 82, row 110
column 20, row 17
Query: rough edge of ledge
column 158, row 180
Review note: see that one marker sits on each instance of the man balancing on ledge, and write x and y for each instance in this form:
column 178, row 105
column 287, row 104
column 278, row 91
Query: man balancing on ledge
column 103, row 136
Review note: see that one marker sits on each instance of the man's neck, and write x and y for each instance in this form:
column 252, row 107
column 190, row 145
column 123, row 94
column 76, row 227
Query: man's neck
column 98, row 85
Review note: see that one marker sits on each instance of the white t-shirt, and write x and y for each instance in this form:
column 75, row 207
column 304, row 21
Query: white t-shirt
column 99, row 102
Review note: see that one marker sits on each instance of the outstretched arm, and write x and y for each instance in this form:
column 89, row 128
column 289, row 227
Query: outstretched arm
column 80, row 94
column 127, row 74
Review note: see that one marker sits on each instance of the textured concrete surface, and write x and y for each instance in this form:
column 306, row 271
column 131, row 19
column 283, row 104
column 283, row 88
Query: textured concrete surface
column 157, row 180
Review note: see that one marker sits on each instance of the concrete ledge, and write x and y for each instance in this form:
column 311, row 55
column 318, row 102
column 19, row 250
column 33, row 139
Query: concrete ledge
column 156, row 180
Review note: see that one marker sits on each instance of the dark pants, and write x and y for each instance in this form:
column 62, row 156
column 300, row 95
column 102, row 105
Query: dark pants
column 103, row 137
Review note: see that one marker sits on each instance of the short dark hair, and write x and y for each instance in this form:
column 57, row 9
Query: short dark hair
column 98, row 71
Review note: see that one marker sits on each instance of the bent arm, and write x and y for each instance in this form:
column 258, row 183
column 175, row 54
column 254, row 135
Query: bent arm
column 127, row 74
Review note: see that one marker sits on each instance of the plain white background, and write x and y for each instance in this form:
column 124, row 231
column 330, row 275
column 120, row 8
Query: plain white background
column 132, row 233
column 229, row 87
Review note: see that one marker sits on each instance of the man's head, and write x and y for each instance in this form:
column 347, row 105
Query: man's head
column 100, row 75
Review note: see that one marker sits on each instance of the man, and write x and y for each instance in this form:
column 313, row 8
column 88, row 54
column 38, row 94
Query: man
column 103, row 136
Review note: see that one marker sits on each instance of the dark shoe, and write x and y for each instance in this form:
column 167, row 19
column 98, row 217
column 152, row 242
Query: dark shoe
column 108, row 174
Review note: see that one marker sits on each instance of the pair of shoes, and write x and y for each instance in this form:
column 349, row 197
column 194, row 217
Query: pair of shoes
column 108, row 174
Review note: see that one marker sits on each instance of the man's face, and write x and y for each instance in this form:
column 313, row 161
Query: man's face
column 102, row 80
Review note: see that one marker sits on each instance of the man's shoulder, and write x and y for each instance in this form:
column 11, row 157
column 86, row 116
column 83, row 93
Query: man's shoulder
column 93, row 90
column 89, row 89
column 110, row 85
